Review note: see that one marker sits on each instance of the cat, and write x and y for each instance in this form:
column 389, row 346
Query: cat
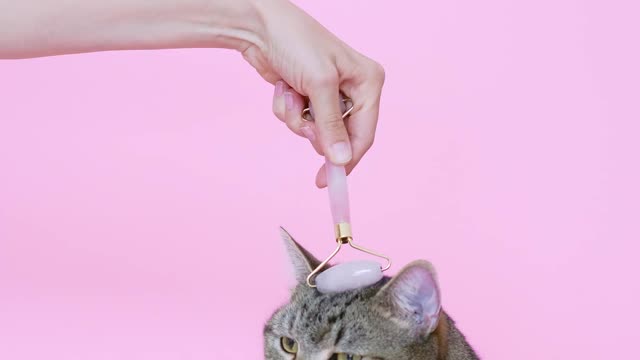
column 398, row 318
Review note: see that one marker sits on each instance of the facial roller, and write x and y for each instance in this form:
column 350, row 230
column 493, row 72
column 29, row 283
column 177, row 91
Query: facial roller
column 354, row 274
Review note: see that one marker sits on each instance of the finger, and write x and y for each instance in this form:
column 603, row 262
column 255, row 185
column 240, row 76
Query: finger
column 308, row 130
column 365, row 145
column 321, row 178
column 361, row 125
column 330, row 127
column 362, row 129
column 293, row 111
column 363, row 122
column 294, row 104
column 278, row 104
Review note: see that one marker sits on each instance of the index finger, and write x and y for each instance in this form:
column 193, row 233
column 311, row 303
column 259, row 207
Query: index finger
column 361, row 125
column 331, row 128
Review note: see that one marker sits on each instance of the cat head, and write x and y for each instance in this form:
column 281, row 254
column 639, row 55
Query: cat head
column 392, row 319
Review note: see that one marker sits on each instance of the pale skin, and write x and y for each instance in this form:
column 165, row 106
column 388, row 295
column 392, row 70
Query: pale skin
column 286, row 46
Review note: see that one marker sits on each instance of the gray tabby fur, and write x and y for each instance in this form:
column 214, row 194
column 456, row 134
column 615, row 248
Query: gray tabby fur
column 369, row 322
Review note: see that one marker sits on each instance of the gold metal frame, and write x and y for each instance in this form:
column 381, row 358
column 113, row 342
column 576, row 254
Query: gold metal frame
column 343, row 236
column 306, row 113
column 343, row 230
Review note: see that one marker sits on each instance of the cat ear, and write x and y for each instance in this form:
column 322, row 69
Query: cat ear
column 412, row 297
column 301, row 259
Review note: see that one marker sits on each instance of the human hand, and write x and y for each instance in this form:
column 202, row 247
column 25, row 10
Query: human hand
column 285, row 45
column 303, row 59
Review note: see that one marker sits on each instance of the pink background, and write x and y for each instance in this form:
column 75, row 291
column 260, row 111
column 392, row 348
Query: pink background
column 141, row 192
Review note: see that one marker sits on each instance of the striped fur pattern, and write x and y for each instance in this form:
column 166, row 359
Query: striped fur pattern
column 386, row 321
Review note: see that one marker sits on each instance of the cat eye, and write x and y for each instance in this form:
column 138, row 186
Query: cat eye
column 343, row 356
column 289, row 345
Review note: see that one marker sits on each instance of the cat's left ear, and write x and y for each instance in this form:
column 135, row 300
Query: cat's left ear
column 412, row 297
column 301, row 259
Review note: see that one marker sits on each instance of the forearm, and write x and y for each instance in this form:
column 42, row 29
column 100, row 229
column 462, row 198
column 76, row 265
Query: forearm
column 35, row 28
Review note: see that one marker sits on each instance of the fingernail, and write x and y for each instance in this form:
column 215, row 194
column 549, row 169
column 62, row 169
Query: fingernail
column 288, row 100
column 340, row 153
column 308, row 133
column 279, row 87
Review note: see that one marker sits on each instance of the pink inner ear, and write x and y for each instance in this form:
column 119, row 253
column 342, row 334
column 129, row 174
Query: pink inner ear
column 416, row 292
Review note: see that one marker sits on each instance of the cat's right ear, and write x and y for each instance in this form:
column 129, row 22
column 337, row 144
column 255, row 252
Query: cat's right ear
column 412, row 297
column 301, row 259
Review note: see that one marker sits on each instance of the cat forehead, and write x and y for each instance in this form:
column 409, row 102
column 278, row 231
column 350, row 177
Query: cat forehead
column 303, row 293
column 310, row 311
column 345, row 322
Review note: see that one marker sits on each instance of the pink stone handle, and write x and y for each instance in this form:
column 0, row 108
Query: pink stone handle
column 338, row 192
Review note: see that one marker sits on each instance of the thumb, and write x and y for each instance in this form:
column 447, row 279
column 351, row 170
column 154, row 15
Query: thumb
column 330, row 126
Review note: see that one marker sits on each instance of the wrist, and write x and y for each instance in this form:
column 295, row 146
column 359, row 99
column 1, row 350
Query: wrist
column 237, row 24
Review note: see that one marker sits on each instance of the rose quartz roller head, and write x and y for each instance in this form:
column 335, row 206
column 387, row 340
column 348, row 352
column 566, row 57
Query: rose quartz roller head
column 351, row 275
